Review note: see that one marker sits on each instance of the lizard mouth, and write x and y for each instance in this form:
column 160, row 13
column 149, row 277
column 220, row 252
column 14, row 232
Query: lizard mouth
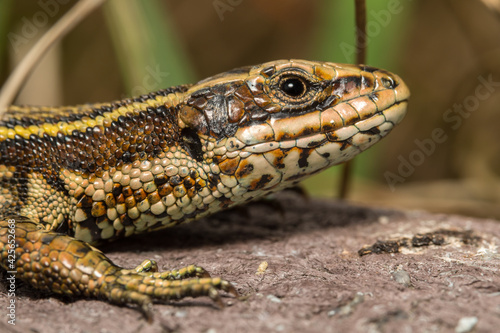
column 357, row 134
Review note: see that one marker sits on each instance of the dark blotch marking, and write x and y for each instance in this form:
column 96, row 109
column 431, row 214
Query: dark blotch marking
column 160, row 180
column 46, row 239
column 213, row 180
column 232, row 145
column 307, row 131
column 245, row 170
column 262, row 182
column 369, row 69
column 117, row 190
column 85, row 202
column 276, row 157
column 125, row 220
column 91, row 225
column 82, row 250
column 346, row 144
column 229, row 165
column 63, row 228
column 313, row 144
column 225, row 202
column 372, row 131
column 175, row 180
column 304, row 155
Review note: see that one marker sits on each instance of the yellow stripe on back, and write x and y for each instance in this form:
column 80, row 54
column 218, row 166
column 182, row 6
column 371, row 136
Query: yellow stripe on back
column 66, row 128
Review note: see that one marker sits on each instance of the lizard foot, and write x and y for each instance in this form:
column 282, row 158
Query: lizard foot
column 61, row 264
column 145, row 288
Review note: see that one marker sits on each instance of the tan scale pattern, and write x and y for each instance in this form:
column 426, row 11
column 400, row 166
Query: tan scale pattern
column 75, row 176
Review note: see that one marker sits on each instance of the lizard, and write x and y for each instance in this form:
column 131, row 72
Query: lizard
column 73, row 177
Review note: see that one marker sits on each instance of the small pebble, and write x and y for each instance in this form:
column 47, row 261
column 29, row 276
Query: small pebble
column 273, row 298
column 402, row 277
column 181, row 314
column 262, row 268
column 466, row 324
column 280, row 327
column 383, row 220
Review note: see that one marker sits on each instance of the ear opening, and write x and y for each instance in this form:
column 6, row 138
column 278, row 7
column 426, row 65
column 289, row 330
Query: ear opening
column 192, row 144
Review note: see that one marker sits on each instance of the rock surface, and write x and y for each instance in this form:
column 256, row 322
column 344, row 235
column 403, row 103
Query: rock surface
column 314, row 280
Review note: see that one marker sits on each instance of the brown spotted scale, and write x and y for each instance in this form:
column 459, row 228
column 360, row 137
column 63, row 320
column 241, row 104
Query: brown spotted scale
column 71, row 177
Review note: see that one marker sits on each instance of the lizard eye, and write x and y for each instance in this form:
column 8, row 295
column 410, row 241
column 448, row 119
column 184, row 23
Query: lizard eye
column 293, row 86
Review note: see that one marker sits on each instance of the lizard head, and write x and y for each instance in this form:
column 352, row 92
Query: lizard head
column 269, row 126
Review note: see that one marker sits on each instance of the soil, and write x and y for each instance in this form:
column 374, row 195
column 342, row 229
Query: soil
column 295, row 262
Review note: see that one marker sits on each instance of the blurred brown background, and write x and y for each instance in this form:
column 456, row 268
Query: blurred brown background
column 447, row 51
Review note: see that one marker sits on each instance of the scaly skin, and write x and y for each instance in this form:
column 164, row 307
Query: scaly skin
column 75, row 176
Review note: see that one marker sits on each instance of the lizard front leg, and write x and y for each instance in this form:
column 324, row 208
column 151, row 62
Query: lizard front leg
column 62, row 264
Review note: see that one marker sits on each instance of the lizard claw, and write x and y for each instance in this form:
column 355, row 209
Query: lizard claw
column 143, row 288
column 150, row 266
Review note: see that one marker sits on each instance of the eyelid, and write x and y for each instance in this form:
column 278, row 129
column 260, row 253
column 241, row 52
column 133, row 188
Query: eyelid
column 307, row 83
column 312, row 85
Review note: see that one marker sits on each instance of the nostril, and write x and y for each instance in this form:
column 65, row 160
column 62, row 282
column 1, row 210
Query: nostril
column 388, row 82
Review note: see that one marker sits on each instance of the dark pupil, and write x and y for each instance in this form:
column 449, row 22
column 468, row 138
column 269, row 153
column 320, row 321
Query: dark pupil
column 293, row 87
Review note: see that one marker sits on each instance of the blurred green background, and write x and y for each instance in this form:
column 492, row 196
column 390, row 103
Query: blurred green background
column 443, row 49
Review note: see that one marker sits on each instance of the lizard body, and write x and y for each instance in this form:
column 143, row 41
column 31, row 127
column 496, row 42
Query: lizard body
column 71, row 177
